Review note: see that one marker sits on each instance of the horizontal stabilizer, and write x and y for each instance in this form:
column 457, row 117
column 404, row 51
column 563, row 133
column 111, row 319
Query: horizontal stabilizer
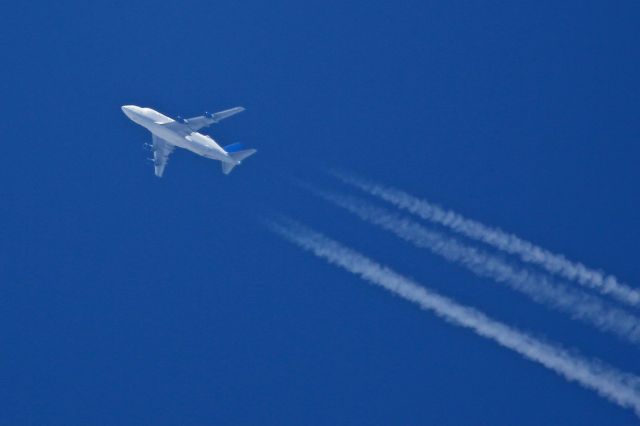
column 238, row 156
column 241, row 155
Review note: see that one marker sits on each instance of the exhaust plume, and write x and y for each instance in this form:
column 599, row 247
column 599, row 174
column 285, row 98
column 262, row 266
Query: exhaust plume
column 528, row 252
column 540, row 288
column 618, row 387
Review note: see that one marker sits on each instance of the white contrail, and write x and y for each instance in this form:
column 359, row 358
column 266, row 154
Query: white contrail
column 540, row 288
column 496, row 237
column 617, row 386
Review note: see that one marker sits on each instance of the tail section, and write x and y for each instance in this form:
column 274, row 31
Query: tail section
column 236, row 152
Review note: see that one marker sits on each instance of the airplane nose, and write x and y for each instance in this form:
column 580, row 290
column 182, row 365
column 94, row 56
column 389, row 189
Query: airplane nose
column 128, row 110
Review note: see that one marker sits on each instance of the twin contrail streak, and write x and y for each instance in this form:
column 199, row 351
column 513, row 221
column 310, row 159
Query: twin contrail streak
column 509, row 243
column 577, row 304
column 617, row 386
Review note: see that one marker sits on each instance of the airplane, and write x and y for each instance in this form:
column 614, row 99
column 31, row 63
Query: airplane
column 168, row 133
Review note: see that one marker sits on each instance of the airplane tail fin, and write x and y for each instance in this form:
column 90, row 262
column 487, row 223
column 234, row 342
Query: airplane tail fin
column 236, row 152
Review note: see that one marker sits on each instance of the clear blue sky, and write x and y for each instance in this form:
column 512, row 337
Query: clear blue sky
column 128, row 299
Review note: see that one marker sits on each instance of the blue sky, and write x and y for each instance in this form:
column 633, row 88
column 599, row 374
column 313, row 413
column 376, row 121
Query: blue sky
column 135, row 300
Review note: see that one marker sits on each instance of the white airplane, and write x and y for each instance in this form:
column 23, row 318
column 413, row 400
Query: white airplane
column 168, row 133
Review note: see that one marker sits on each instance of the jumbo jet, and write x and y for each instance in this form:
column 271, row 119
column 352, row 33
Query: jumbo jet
column 168, row 133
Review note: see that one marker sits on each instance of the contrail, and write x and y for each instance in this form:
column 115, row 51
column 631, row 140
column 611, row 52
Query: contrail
column 496, row 237
column 619, row 387
column 577, row 304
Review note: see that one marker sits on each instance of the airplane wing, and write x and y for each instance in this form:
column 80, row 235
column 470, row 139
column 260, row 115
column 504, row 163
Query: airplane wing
column 161, row 151
column 197, row 123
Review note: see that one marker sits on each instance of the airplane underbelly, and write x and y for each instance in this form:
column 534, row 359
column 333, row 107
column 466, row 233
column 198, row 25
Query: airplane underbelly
column 205, row 151
column 188, row 142
column 170, row 136
column 202, row 147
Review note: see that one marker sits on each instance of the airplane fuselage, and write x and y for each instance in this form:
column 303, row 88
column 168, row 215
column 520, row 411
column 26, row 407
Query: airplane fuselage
column 177, row 134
